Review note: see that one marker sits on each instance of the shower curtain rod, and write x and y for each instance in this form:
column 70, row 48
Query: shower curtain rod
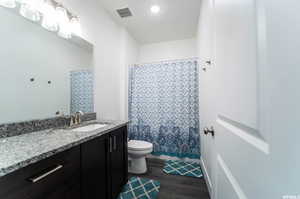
column 167, row 60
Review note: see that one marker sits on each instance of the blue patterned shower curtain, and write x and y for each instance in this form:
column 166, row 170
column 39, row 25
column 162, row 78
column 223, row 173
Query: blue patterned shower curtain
column 82, row 87
column 163, row 107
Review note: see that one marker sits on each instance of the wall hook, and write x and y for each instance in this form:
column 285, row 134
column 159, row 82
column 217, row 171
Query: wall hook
column 207, row 131
column 208, row 62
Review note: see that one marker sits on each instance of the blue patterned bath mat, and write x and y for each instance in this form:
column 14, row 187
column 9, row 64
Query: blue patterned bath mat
column 140, row 188
column 177, row 167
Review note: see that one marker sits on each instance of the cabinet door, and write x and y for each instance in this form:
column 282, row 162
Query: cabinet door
column 94, row 173
column 66, row 191
column 118, row 160
column 55, row 177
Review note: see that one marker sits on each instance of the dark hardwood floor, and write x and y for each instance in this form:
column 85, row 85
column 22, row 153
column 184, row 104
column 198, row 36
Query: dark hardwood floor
column 173, row 186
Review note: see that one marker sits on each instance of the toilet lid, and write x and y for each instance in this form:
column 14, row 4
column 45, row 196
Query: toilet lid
column 138, row 145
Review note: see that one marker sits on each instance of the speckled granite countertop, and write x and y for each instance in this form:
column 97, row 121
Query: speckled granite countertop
column 20, row 151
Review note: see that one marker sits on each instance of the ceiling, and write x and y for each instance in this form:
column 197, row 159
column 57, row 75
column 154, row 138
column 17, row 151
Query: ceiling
column 177, row 19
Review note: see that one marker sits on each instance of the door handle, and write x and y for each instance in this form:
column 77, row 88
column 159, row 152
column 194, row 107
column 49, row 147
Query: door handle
column 44, row 175
column 207, row 131
column 115, row 143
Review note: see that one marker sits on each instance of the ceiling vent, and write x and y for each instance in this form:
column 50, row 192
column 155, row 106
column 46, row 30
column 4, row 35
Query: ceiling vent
column 124, row 12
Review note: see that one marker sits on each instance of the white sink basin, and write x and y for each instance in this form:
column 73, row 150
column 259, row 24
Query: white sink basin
column 91, row 127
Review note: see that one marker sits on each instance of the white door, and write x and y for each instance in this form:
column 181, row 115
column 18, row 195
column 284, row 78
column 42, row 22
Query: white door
column 254, row 78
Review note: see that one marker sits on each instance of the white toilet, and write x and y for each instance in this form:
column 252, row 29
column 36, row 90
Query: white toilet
column 137, row 151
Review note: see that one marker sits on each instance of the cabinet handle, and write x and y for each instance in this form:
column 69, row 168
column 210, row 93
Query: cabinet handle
column 44, row 175
column 115, row 143
column 110, row 145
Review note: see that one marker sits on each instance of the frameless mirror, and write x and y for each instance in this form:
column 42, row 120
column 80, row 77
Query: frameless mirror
column 42, row 75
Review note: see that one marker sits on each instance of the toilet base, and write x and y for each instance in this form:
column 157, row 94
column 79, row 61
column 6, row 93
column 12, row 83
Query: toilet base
column 137, row 165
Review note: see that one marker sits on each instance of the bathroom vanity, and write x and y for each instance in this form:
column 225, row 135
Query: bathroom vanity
column 65, row 164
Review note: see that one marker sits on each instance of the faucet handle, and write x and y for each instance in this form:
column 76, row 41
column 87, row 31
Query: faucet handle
column 79, row 112
column 78, row 115
column 72, row 120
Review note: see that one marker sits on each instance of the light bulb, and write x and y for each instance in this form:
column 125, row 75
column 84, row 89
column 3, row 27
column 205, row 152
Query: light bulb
column 8, row 3
column 75, row 26
column 30, row 9
column 49, row 16
column 63, row 23
column 155, row 9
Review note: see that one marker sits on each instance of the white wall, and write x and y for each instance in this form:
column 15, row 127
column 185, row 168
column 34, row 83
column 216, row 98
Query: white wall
column 206, row 96
column 110, row 41
column 129, row 56
column 178, row 49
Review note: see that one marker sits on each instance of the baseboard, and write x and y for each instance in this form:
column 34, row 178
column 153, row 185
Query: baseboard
column 165, row 157
column 206, row 177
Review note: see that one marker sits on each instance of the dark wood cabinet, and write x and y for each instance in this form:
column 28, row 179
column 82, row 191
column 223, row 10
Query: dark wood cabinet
column 118, row 161
column 53, row 176
column 95, row 169
column 69, row 190
column 104, row 165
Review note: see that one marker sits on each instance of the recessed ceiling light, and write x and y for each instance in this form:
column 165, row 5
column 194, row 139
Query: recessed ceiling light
column 155, row 9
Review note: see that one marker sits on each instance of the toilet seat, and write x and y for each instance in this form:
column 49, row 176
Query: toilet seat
column 137, row 145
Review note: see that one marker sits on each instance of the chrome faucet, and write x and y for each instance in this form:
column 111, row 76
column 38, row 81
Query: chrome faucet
column 78, row 115
column 72, row 120
column 75, row 119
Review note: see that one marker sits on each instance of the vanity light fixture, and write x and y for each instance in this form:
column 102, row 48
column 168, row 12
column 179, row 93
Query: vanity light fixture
column 63, row 23
column 75, row 26
column 55, row 17
column 49, row 21
column 30, row 9
column 8, row 3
